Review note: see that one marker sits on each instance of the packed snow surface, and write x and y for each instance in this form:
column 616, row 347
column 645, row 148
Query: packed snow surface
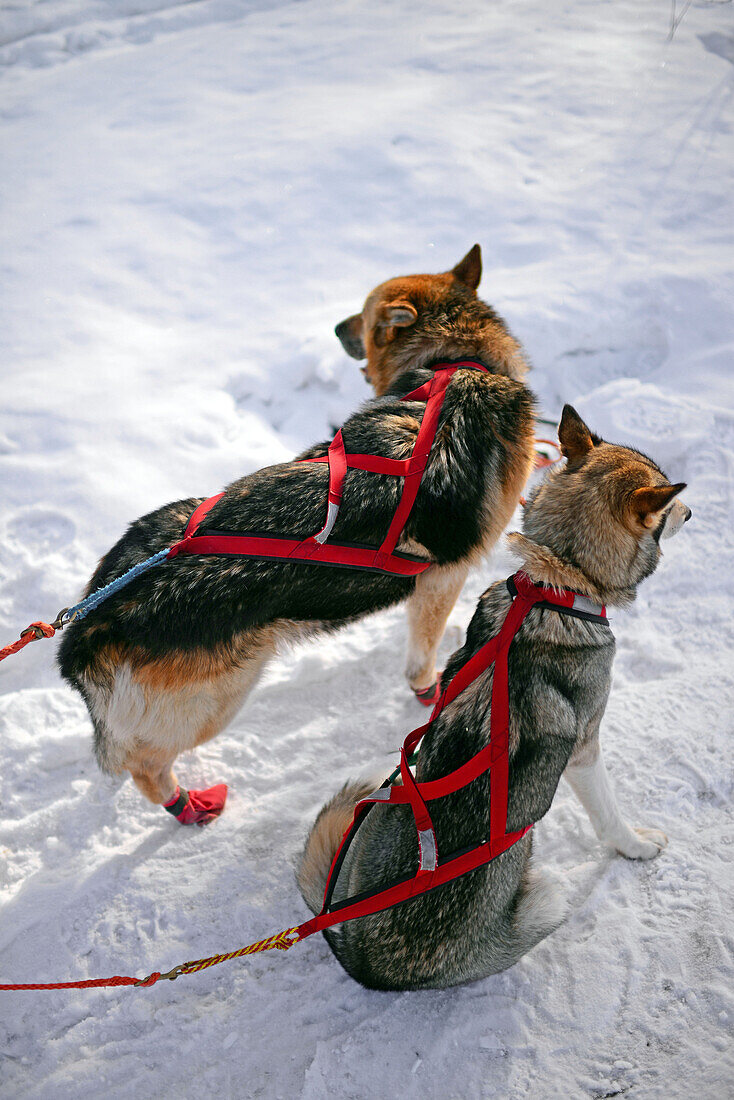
column 193, row 194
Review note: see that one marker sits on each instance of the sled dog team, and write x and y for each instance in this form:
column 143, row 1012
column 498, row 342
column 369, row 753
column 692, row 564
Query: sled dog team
column 164, row 665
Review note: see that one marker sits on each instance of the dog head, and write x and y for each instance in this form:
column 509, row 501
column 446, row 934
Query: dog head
column 416, row 319
column 605, row 511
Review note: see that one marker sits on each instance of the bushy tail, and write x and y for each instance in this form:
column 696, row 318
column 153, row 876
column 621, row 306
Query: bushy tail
column 325, row 838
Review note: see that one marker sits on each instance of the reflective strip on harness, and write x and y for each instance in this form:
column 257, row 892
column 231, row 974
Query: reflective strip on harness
column 433, row 871
column 316, row 549
column 331, row 514
column 337, row 472
column 428, row 850
column 583, row 603
column 574, row 604
column 453, row 867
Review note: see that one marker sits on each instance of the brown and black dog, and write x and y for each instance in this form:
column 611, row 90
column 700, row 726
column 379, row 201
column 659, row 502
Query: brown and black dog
column 165, row 664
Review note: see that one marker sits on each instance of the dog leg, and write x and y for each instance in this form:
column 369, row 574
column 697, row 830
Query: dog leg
column 590, row 784
column 159, row 710
column 153, row 775
column 542, row 907
column 155, row 779
column 436, row 592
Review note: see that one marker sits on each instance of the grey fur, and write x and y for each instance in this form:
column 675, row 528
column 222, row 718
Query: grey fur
column 559, row 681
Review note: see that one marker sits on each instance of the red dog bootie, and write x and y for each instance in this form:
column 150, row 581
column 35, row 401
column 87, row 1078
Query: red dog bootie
column 197, row 807
column 428, row 696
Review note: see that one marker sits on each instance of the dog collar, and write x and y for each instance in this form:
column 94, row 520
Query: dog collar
column 563, row 600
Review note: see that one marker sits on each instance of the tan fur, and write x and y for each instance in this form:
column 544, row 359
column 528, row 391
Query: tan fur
column 437, row 590
column 152, row 773
column 522, row 461
column 543, row 567
column 595, row 485
column 646, row 504
column 325, row 838
column 156, row 710
column 174, row 670
column 385, row 316
column 429, row 607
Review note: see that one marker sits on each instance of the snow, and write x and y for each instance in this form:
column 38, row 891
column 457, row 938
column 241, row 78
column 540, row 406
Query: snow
column 193, row 194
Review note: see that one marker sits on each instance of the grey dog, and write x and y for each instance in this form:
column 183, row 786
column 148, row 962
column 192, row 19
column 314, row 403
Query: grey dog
column 593, row 526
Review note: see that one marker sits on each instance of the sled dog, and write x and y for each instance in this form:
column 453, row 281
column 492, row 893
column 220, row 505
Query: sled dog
column 166, row 663
column 592, row 527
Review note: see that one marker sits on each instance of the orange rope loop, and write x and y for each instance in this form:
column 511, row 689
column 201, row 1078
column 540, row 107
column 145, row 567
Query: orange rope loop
column 31, row 634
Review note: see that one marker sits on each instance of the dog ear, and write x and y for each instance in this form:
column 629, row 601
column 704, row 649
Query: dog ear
column 573, row 435
column 645, row 505
column 350, row 334
column 469, row 270
column 392, row 316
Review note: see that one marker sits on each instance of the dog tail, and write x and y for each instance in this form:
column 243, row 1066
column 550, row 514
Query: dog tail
column 325, row 838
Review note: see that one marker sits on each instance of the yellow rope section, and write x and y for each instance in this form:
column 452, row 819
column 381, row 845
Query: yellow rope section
column 282, row 941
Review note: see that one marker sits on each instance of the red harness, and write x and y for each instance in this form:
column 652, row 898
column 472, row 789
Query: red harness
column 315, row 549
column 493, row 758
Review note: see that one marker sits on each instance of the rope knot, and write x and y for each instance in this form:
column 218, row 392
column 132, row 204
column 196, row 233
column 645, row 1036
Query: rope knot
column 150, row 980
column 39, row 630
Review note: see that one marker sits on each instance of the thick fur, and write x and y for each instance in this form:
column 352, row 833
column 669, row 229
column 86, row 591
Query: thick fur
column 325, row 838
column 580, row 533
column 166, row 663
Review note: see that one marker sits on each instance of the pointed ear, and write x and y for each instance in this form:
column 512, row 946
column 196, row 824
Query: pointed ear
column 393, row 316
column 645, row 505
column 573, row 435
column 469, row 270
column 350, row 334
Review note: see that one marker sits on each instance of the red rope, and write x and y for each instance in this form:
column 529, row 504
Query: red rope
column 282, row 941
column 30, row 634
column 541, row 460
column 89, row 984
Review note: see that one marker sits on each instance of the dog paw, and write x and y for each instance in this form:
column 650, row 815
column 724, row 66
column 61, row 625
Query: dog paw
column 645, row 844
column 428, row 696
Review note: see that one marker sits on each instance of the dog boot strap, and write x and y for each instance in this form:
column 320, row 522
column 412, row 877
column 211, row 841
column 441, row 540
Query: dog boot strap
column 428, row 696
column 197, row 807
column 177, row 802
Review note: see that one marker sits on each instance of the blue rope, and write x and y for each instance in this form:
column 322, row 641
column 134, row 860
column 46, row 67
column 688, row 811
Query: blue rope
column 79, row 610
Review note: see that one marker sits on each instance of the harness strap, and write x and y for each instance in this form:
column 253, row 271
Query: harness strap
column 276, row 549
column 427, row 842
column 435, row 391
column 432, row 871
column 574, row 604
column 337, row 460
column 372, row 464
column 316, row 549
column 446, row 871
column 499, row 720
column 198, row 516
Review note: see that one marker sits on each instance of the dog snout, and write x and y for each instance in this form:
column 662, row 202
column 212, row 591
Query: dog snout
column 688, row 514
column 349, row 332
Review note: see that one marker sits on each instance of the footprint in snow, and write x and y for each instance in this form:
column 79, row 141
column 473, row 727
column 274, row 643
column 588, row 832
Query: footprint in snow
column 39, row 530
column 648, row 667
